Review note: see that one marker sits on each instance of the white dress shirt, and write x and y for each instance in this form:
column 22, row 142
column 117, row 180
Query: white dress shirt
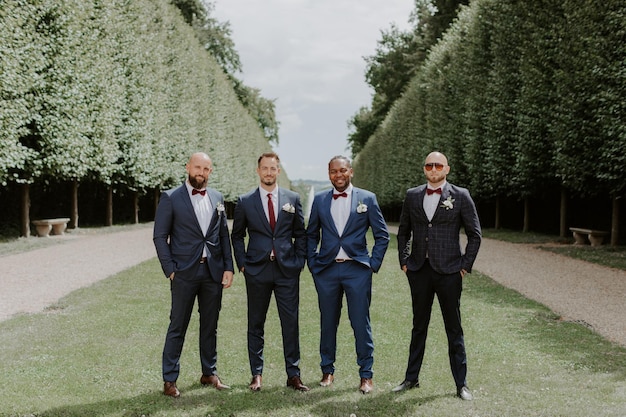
column 203, row 209
column 264, row 199
column 340, row 211
column 431, row 202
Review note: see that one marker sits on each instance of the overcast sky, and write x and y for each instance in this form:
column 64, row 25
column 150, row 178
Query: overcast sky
column 308, row 55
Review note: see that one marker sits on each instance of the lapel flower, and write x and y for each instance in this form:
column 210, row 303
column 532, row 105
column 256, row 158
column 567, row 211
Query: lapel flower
column 289, row 208
column 447, row 203
column 361, row 208
column 220, row 208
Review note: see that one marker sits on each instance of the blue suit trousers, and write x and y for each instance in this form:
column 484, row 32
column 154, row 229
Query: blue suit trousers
column 355, row 281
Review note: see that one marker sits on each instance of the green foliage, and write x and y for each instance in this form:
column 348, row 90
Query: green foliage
column 521, row 97
column 398, row 56
column 118, row 92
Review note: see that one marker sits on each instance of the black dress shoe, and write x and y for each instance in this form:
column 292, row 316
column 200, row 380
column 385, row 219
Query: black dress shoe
column 464, row 393
column 405, row 385
column 169, row 389
column 296, row 383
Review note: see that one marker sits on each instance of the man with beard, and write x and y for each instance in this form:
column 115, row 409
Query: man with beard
column 339, row 222
column 193, row 246
column 272, row 262
column 430, row 255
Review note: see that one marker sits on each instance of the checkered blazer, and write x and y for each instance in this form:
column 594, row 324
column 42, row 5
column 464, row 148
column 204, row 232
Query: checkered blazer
column 439, row 237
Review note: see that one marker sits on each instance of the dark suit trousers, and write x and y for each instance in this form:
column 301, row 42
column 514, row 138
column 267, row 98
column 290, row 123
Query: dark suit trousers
column 184, row 291
column 424, row 284
column 355, row 280
column 287, row 292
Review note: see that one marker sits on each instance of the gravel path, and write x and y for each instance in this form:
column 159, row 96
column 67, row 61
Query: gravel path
column 576, row 290
column 33, row 280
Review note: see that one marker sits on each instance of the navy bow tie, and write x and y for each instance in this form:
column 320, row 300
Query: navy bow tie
column 201, row 192
column 336, row 196
column 430, row 191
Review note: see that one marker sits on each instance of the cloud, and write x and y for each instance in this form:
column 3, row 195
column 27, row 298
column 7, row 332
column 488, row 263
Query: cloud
column 308, row 55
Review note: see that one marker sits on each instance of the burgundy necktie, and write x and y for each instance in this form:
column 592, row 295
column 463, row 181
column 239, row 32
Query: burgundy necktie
column 430, row 191
column 270, row 210
column 195, row 191
column 336, row 196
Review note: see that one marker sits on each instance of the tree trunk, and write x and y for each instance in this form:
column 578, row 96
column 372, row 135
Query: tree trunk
column 108, row 221
column 563, row 215
column 74, row 210
column 157, row 194
column 497, row 225
column 25, row 205
column 526, row 215
column 136, row 206
column 615, row 222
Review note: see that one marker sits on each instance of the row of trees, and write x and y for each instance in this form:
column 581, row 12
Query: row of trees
column 525, row 98
column 115, row 92
column 398, row 56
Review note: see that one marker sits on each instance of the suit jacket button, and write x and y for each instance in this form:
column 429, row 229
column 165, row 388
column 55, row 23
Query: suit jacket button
column 430, row 225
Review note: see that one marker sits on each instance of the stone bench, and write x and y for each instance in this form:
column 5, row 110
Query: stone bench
column 57, row 226
column 595, row 236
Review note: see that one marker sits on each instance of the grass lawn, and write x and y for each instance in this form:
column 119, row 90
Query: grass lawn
column 97, row 352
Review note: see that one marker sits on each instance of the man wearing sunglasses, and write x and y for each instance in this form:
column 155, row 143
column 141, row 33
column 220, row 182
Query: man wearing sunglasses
column 430, row 255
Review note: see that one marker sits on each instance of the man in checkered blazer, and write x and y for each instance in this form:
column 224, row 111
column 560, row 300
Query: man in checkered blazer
column 430, row 254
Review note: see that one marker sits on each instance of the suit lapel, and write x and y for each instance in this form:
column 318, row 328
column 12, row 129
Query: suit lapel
column 326, row 203
column 282, row 200
column 257, row 200
column 187, row 200
column 353, row 204
column 420, row 202
column 213, row 198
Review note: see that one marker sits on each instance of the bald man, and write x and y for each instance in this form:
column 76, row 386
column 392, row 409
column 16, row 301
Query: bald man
column 193, row 246
column 430, row 255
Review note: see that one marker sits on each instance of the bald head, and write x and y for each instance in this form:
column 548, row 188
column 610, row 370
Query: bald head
column 436, row 168
column 199, row 168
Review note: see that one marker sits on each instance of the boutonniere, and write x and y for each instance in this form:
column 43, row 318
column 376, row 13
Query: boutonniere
column 220, row 208
column 289, row 208
column 447, row 203
column 361, row 208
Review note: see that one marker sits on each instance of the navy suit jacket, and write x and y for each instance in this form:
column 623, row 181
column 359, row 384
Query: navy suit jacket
column 440, row 236
column 353, row 240
column 288, row 239
column 179, row 240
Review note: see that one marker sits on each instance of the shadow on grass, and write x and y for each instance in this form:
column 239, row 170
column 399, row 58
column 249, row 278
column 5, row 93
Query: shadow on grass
column 571, row 342
column 198, row 400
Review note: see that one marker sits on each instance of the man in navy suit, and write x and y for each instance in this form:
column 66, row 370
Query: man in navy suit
column 193, row 246
column 340, row 219
column 430, row 223
column 272, row 262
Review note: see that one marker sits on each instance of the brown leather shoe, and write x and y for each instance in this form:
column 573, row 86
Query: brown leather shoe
column 214, row 381
column 296, row 383
column 255, row 384
column 169, row 389
column 367, row 385
column 327, row 380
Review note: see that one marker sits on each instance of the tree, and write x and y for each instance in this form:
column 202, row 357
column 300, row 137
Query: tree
column 399, row 55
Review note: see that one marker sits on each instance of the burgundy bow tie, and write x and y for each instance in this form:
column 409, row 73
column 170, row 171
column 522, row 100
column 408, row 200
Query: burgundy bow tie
column 430, row 191
column 336, row 196
column 201, row 192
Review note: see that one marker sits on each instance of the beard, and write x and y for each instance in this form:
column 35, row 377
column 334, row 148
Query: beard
column 269, row 181
column 196, row 182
